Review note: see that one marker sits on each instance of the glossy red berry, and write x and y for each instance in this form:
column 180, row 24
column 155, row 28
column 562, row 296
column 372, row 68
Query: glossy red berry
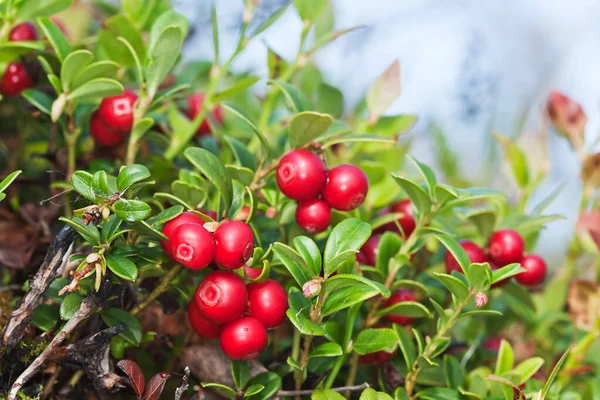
column 15, row 80
column 252, row 273
column 346, row 188
column 474, row 252
column 506, row 247
column 169, row 227
column 267, row 302
column 313, row 216
column 406, row 221
column 399, row 297
column 368, row 252
column 102, row 134
column 222, row 296
column 24, row 32
column 536, row 270
column 235, row 244
column 117, row 111
column 301, row 175
column 244, row 339
column 195, row 103
column 202, row 325
column 192, row 246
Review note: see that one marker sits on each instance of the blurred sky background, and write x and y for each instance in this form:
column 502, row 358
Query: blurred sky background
column 470, row 67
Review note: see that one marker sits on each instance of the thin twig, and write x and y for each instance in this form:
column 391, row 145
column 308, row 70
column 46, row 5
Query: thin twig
column 184, row 384
column 160, row 289
column 290, row 393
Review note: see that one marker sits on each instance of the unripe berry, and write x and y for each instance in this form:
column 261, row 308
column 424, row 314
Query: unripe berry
column 102, row 134
column 506, row 247
column 301, row 175
column 202, row 325
column 244, row 339
column 267, row 302
column 368, row 252
column 169, row 227
column 406, row 221
column 222, row 296
column 15, row 80
column 313, row 216
column 117, row 111
column 474, row 252
column 23, row 32
column 399, row 297
column 235, row 244
column 195, row 103
column 346, row 188
column 536, row 270
column 192, row 246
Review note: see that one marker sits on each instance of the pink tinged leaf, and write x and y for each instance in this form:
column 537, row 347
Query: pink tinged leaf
column 135, row 374
column 155, row 386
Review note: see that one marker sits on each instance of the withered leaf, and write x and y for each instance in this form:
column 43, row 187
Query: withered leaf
column 135, row 374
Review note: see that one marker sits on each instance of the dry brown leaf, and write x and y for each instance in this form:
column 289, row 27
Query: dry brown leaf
column 584, row 304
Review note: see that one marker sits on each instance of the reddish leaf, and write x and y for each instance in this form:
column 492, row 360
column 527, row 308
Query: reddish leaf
column 155, row 386
column 135, row 374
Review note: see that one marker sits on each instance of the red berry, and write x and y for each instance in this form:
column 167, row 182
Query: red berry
column 267, row 302
column 15, row 80
column 506, row 247
column 244, row 339
column 474, row 252
column 399, row 297
column 195, row 103
column 379, row 357
column 252, row 273
column 102, row 134
column 536, row 270
column 23, row 32
column 192, row 246
column 210, row 213
column 301, row 175
column 492, row 343
column 406, row 221
column 117, row 111
column 313, row 216
column 368, row 252
column 235, row 244
column 169, row 227
column 346, row 188
column 222, row 296
column 202, row 325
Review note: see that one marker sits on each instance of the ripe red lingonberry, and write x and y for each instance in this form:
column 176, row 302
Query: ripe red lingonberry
column 15, row 80
column 244, row 339
column 367, row 254
column 23, row 32
column 399, row 297
column 506, row 247
column 169, row 227
column 195, row 103
column 235, row 244
column 313, row 215
column 222, row 296
column 301, row 175
column 117, row 111
column 474, row 252
column 267, row 302
column 346, row 188
column 252, row 273
column 102, row 134
column 192, row 246
column 202, row 325
column 406, row 221
column 536, row 270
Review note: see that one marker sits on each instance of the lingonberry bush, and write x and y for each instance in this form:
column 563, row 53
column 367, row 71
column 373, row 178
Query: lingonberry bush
column 312, row 255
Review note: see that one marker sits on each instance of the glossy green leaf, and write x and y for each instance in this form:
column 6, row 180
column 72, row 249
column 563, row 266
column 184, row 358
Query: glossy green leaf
column 163, row 56
column 348, row 235
column 454, row 285
column 407, row 347
column 82, row 182
column 55, row 37
column 527, row 369
column 271, row 383
column 132, row 210
column 329, row 349
column 310, row 253
column 130, row 175
column 39, row 99
column 96, row 88
column 166, row 215
column 115, row 316
column 29, row 10
column 220, row 389
column 418, row 197
column 166, row 20
column 326, row 394
column 293, row 263
column 99, row 69
column 73, row 63
column 214, row 170
column 389, row 245
column 506, row 272
column 372, row 340
column 456, row 250
column 253, row 389
column 45, row 317
column 554, row 373
column 505, row 359
column 295, row 97
column 240, row 371
column 427, row 175
column 307, row 126
column 516, row 159
column 88, row 232
column 330, row 100
column 70, row 305
column 240, row 114
column 122, row 267
column 372, row 394
column 406, row 309
column 393, row 125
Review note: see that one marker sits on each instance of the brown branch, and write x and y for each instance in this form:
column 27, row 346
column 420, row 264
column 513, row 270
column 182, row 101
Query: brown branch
column 290, row 393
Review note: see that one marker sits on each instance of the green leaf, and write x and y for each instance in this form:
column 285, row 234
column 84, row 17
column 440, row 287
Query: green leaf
column 252, row 390
column 29, row 10
column 39, row 99
column 356, row 138
column 440, row 393
column 293, row 263
column 326, row 394
column 122, row 267
column 167, row 94
column 45, row 317
column 82, row 182
column 88, row 232
column 70, row 305
column 100, row 184
column 347, row 296
column 132, row 210
column 74, row 62
column 220, row 389
column 481, row 312
column 389, row 245
column 115, row 316
column 259, row 23
column 479, row 276
column 310, row 253
column 8, row 180
column 393, row 125
column 330, row 100
column 167, row 20
column 96, row 88
column 307, row 126
column 407, row 347
column 295, row 97
column 348, row 235
column 99, row 69
column 163, row 55
column 111, row 228
column 506, row 272
column 135, row 56
column 406, row 309
column 55, row 37
column 384, row 91
column 240, row 372
column 505, row 360
column 130, row 175
column 456, row 250
column 372, row 394
column 415, row 193
column 329, row 349
column 298, row 313
column 309, row 10
column 141, row 128
column 516, row 159
column 527, row 369
column 239, row 113
column 427, row 175
column 454, row 285
column 120, row 26
column 372, row 340
column 271, row 383
column 165, row 215
column 554, row 373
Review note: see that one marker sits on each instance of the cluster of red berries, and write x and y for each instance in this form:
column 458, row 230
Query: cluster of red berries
column 504, row 247
column 193, row 246
column 237, row 314
column 16, row 78
column 111, row 123
column 302, row 176
column 195, row 103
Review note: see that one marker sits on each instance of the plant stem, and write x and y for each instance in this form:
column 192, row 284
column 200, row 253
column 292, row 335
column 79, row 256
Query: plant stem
column 160, row 289
column 289, row 393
